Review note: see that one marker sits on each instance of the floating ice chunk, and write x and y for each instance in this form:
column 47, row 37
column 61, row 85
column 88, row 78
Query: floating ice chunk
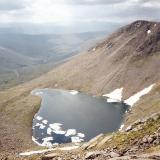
column 115, row 95
column 38, row 124
column 56, row 126
column 76, row 139
column 42, row 126
column 71, row 132
column 60, row 132
column 135, row 98
column 149, row 31
column 47, row 139
column 81, row 135
column 47, row 144
column 45, row 121
column 49, row 130
column 73, row 92
column 39, row 118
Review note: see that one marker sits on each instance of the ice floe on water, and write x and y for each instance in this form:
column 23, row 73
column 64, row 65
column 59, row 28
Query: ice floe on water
column 81, row 135
column 135, row 98
column 40, row 125
column 50, row 133
column 39, row 118
column 114, row 96
column 56, row 126
column 71, row 132
column 76, row 139
column 45, row 121
column 59, row 132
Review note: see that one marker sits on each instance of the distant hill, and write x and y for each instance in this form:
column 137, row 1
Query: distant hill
column 25, row 56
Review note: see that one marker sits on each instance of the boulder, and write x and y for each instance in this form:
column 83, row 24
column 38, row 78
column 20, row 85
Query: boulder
column 129, row 128
column 92, row 155
column 50, row 156
column 114, row 154
column 91, row 142
column 104, row 140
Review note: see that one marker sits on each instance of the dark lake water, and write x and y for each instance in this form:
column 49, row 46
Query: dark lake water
column 69, row 117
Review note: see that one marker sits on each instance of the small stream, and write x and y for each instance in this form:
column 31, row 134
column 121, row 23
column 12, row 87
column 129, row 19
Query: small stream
column 69, row 116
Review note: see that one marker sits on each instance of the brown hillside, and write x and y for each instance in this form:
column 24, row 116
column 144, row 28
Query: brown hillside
column 129, row 58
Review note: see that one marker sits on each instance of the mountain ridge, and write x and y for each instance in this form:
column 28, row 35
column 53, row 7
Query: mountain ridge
column 111, row 64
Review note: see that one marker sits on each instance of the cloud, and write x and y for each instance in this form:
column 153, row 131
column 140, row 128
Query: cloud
column 7, row 5
column 68, row 12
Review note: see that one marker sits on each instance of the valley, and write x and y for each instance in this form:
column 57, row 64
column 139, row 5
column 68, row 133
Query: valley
column 128, row 59
column 26, row 56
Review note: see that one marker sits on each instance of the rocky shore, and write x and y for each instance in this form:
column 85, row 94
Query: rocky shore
column 141, row 140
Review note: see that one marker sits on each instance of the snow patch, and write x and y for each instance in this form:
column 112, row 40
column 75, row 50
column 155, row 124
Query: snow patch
column 38, row 93
column 109, row 100
column 47, row 150
column 73, row 92
column 149, row 31
column 68, row 148
column 35, row 152
column 116, row 95
column 122, row 126
column 135, row 98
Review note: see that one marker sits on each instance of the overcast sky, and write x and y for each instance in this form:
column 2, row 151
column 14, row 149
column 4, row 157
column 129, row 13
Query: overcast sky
column 68, row 12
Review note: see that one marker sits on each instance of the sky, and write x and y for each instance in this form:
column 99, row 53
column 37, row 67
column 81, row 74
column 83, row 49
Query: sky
column 81, row 12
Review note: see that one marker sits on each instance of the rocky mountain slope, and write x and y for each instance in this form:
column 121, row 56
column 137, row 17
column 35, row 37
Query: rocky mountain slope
column 128, row 59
